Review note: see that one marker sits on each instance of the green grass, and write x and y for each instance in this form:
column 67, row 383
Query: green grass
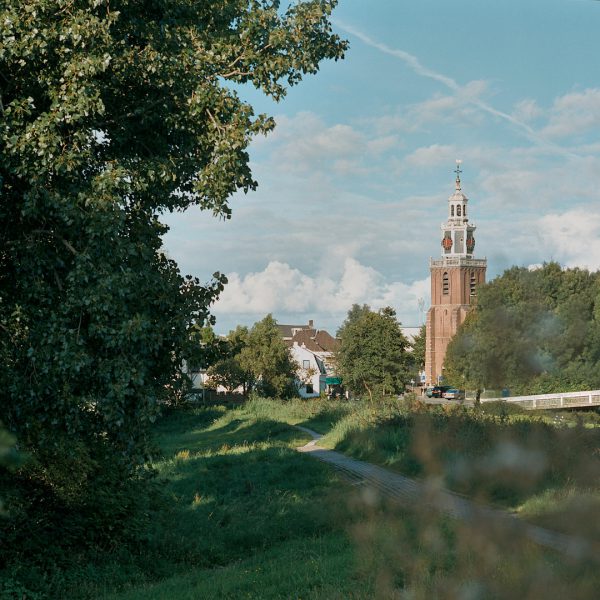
column 499, row 454
column 312, row 567
column 243, row 515
column 523, row 461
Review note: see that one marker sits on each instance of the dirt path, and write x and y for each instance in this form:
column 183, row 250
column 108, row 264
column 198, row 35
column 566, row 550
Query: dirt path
column 407, row 491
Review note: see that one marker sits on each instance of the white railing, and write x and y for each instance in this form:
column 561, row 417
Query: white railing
column 549, row 401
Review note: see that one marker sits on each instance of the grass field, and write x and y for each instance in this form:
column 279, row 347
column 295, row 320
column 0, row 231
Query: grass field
column 251, row 518
column 241, row 514
column 247, row 517
column 544, row 466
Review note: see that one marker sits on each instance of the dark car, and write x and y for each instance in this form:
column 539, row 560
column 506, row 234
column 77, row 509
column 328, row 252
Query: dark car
column 439, row 390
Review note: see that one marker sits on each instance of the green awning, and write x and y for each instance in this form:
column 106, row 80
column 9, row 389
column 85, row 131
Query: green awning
column 333, row 380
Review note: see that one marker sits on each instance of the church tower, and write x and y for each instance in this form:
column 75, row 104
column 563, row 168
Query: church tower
column 454, row 282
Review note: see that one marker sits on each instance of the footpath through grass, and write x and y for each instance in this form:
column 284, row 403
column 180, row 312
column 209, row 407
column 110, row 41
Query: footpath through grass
column 243, row 515
column 544, row 466
column 251, row 518
column 246, row 515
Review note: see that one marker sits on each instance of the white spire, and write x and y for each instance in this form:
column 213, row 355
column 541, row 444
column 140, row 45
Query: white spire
column 458, row 172
column 457, row 232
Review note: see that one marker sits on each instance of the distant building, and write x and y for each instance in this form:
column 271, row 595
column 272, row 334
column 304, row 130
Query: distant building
column 313, row 350
column 454, row 282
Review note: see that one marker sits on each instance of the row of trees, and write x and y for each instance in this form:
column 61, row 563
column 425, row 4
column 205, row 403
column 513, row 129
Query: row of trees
column 373, row 358
column 533, row 331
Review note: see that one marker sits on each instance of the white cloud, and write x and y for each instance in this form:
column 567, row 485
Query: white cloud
column 304, row 143
column 436, row 109
column 380, row 145
column 574, row 113
column 572, row 237
column 286, row 291
column 527, row 110
column 433, row 155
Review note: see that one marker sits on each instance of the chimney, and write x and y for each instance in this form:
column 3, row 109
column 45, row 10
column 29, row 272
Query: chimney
column 310, row 323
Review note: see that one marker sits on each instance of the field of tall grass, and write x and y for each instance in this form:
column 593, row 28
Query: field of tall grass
column 543, row 465
column 239, row 513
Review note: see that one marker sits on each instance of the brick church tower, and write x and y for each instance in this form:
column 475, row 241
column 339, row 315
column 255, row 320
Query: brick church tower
column 454, row 281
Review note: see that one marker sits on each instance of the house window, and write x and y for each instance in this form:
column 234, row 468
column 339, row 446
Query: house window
column 309, row 388
column 458, row 211
column 306, row 364
column 445, row 284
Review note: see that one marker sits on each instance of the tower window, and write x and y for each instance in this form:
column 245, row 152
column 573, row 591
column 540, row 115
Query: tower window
column 458, row 211
column 465, row 210
column 445, row 284
column 473, row 285
column 452, row 210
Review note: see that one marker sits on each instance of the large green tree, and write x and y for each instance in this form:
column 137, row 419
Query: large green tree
column 372, row 355
column 114, row 112
column 532, row 331
column 266, row 357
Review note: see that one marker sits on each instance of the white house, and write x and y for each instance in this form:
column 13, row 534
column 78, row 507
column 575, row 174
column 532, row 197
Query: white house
column 313, row 350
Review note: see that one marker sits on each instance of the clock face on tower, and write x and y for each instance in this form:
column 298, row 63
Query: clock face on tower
column 447, row 243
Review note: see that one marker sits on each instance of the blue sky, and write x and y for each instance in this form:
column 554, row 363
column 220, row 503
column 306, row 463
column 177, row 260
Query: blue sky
column 354, row 181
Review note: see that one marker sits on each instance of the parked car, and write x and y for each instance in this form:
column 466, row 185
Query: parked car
column 454, row 394
column 438, row 391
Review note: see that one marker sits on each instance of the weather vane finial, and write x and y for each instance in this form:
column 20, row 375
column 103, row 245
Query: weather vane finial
column 458, row 172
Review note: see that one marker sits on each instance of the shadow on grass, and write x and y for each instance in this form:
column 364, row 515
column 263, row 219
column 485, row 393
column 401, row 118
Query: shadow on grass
column 235, row 486
column 326, row 419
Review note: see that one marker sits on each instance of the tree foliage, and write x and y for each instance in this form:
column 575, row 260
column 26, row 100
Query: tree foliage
column 372, row 356
column 269, row 360
column 532, row 331
column 114, row 112
column 227, row 372
column 418, row 353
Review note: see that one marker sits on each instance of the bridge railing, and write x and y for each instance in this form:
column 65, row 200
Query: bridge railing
column 549, row 401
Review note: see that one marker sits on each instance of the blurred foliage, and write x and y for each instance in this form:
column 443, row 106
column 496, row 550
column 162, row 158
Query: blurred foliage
column 497, row 455
column 532, row 331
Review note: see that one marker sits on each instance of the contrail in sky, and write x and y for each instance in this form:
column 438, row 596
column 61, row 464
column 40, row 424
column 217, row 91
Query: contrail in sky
column 417, row 67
